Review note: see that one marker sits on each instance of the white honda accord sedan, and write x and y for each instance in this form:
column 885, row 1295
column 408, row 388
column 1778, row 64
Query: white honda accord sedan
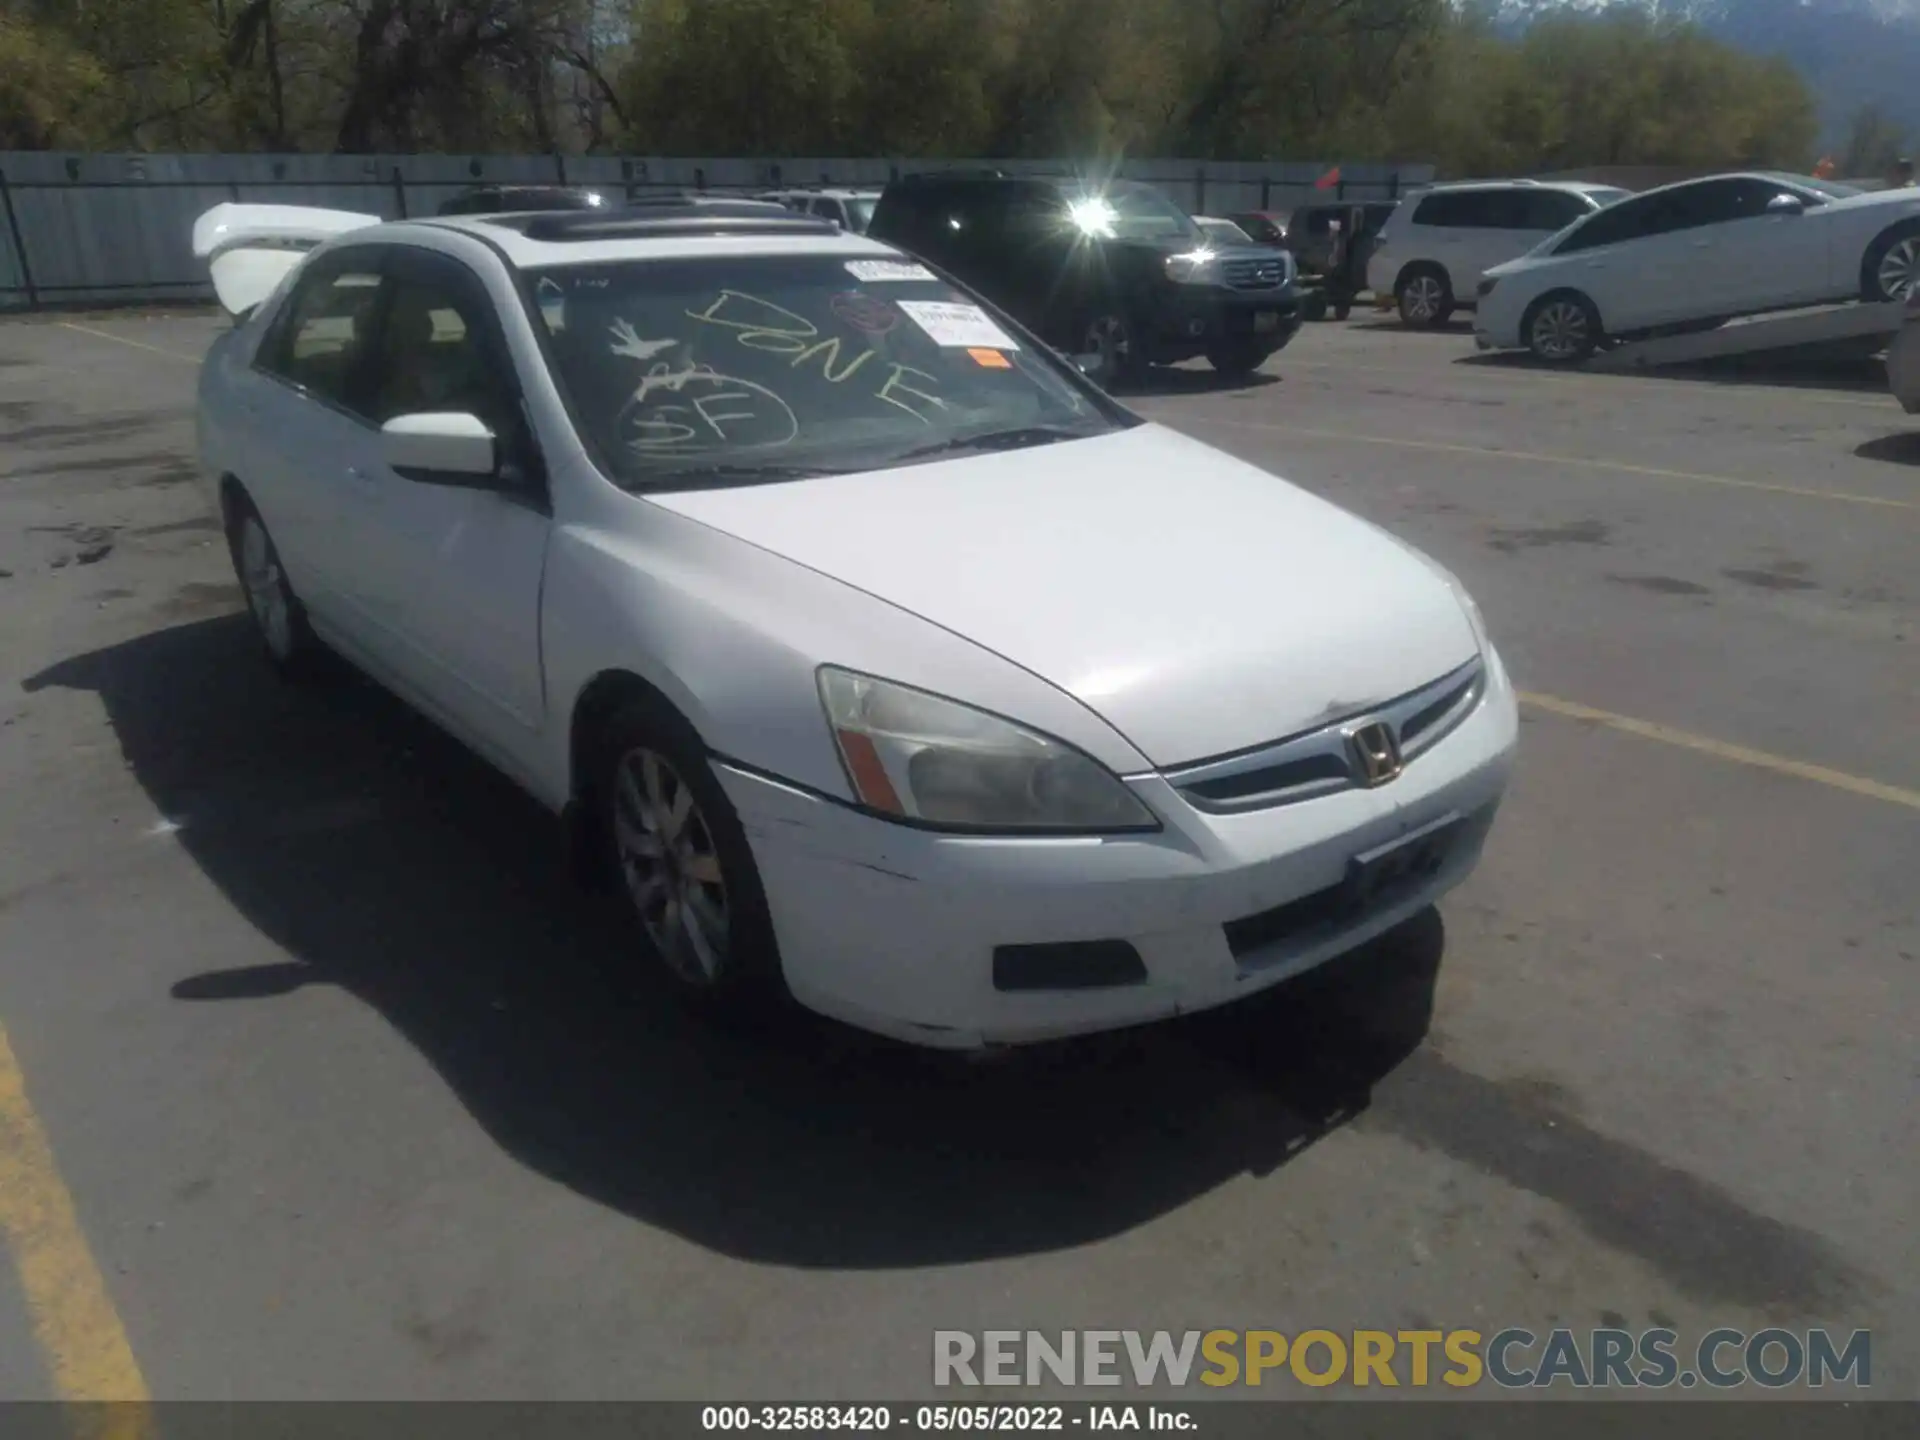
column 884, row 661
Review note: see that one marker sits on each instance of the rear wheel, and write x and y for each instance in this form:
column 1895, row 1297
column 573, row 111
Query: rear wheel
column 1891, row 270
column 279, row 619
column 1425, row 297
column 1562, row 328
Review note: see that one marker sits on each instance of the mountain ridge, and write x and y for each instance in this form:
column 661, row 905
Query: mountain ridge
column 1852, row 52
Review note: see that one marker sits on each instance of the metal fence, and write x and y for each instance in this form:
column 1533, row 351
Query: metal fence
column 115, row 229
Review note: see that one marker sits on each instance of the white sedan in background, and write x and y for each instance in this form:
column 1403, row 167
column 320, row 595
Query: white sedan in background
column 884, row 661
column 1699, row 252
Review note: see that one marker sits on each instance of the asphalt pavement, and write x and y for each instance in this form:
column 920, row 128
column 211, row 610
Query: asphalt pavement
column 315, row 1082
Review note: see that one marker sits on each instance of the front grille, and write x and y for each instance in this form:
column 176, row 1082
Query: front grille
column 1321, row 761
column 1255, row 274
column 1270, row 936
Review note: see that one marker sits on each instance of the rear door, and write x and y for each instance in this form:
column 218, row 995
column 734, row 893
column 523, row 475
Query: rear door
column 306, row 437
column 1499, row 225
column 1757, row 258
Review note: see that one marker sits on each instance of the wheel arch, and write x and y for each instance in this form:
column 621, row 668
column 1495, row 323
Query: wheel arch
column 1560, row 292
column 606, row 694
column 1907, row 227
column 1423, row 266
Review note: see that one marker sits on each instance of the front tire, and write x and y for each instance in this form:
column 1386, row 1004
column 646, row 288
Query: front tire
column 1562, row 328
column 1425, row 297
column 679, row 857
column 279, row 619
column 1891, row 269
column 1109, row 337
column 1239, row 358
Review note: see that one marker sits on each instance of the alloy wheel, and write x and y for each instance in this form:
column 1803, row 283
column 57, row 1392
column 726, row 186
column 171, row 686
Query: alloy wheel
column 1899, row 272
column 266, row 588
column 1423, row 298
column 671, row 866
column 1108, row 338
column 1560, row 331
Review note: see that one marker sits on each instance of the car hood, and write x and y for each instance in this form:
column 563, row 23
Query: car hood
column 1196, row 603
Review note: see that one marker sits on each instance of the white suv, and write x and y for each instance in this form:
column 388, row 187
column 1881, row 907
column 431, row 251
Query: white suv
column 1434, row 250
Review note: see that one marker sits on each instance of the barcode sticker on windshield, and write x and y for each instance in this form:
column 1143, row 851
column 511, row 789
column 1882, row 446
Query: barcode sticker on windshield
column 875, row 272
column 960, row 326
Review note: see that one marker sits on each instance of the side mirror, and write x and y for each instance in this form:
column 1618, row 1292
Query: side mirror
column 1786, row 205
column 440, row 448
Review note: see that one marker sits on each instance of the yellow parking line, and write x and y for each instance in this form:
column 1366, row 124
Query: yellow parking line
column 123, row 340
column 1721, row 749
column 73, row 1317
column 1585, row 462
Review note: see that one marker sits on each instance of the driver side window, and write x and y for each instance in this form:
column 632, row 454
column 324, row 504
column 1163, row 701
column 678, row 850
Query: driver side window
column 436, row 351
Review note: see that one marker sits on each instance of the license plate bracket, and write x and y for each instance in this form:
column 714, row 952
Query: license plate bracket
column 1413, row 857
column 1265, row 322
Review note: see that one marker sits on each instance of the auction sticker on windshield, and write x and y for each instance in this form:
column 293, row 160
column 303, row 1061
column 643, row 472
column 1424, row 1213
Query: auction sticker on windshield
column 957, row 326
column 874, row 271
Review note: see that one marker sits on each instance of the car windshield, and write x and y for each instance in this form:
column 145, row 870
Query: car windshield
column 1128, row 211
column 1225, row 232
column 860, row 211
column 772, row 367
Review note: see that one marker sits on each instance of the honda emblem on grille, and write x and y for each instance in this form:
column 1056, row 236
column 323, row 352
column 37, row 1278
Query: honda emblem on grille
column 1376, row 751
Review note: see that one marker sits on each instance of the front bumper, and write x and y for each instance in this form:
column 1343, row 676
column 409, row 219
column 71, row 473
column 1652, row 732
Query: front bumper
column 1188, row 319
column 894, row 929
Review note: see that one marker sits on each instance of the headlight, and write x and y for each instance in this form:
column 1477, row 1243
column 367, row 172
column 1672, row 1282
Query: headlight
column 1196, row 267
column 915, row 756
column 1093, row 216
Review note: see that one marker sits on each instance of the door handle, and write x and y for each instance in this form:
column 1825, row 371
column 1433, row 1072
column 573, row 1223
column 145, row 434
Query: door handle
column 1703, row 244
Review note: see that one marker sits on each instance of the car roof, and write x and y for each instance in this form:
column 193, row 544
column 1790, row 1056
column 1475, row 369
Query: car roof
column 523, row 251
column 1572, row 187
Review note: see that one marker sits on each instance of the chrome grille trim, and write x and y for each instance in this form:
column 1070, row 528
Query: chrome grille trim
column 1261, row 274
column 1320, row 761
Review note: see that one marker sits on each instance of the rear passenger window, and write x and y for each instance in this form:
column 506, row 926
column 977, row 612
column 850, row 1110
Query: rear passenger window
column 321, row 341
column 1548, row 210
column 1458, row 210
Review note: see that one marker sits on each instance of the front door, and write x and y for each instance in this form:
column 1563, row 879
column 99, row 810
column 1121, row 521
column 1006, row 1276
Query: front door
column 1758, row 258
column 459, row 569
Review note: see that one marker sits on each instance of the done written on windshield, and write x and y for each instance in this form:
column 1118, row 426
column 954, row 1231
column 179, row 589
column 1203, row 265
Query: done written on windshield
column 779, row 365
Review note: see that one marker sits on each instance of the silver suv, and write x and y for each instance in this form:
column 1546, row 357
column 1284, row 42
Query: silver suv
column 1437, row 245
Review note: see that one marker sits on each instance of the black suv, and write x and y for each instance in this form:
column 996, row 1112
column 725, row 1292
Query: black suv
column 1113, row 274
column 513, row 199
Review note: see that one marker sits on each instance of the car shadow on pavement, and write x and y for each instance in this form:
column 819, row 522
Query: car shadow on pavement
column 1856, row 374
column 1900, row 448
column 385, row 860
column 1166, row 380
